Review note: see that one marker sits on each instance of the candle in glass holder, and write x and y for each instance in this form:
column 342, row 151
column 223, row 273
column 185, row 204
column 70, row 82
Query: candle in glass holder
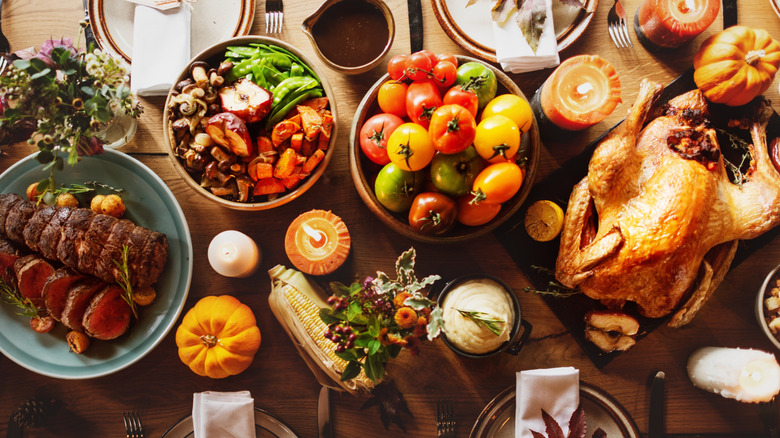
column 668, row 24
column 317, row 242
column 233, row 254
column 581, row 92
column 751, row 376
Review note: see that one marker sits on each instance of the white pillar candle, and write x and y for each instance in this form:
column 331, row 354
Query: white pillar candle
column 751, row 376
column 234, row 254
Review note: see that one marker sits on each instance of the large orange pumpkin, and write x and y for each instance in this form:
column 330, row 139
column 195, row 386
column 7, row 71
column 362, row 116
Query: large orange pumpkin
column 736, row 65
column 218, row 337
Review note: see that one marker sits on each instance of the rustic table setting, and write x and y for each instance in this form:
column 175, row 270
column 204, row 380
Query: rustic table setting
column 161, row 388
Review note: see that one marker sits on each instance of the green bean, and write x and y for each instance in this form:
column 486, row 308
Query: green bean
column 291, row 85
column 277, row 114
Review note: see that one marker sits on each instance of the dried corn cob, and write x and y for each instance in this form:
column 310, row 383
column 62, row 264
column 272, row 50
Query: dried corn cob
column 295, row 301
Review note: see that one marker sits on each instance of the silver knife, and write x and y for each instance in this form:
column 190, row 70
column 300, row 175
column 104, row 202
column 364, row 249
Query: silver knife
column 415, row 25
column 657, row 422
column 323, row 414
column 89, row 36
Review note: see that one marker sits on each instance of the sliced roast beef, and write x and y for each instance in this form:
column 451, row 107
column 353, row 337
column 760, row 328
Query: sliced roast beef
column 7, row 201
column 156, row 253
column 32, row 271
column 94, row 240
column 9, row 253
column 55, row 291
column 108, row 315
column 78, row 300
column 17, row 219
column 38, row 222
column 51, row 235
column 72, row 234
column 112, row 250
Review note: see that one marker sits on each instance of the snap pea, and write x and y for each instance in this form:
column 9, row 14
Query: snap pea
column 291, row 85
column 296, row 70
column 277, row 114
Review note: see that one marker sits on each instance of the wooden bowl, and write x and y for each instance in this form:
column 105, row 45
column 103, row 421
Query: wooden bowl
column 364, row 170
column 213, row 56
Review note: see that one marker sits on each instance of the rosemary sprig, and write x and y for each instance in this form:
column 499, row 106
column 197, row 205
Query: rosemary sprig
column 9, row 294
column 482, row 319
column 124, row 273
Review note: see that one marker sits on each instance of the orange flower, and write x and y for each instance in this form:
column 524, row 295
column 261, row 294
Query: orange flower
column 420, row 329
column 405, row 317
column 384, row 338
column 413, row 345
column 397, row 340
column 399, row 299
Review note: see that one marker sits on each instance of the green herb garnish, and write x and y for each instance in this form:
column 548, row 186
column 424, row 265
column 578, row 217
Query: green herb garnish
column 124, row 273
column 9, row 294
column 482, row 319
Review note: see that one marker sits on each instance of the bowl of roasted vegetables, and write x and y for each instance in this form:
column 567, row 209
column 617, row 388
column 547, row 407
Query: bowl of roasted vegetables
column 250, row 123
column 443, row 148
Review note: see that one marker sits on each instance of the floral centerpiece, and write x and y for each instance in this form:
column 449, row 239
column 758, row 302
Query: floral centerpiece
column 61, row 98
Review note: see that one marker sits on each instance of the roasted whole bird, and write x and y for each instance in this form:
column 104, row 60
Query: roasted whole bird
column 657, row 219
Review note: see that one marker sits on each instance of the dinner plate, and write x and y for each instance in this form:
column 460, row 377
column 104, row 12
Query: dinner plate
column 472, row 29
column 497, row 420
column 776, row 6
column 267, row 426
column 150, row 204
column 212, row 21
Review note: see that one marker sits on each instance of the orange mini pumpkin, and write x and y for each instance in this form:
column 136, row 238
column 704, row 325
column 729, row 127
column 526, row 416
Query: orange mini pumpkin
column 736, row 65
column 218, row 337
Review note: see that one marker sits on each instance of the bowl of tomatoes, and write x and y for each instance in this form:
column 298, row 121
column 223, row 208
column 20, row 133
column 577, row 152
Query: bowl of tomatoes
column 443, row 148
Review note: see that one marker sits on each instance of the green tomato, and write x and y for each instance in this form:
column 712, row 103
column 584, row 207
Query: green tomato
column 479, row 78
column 454, row 174
column 396, row 188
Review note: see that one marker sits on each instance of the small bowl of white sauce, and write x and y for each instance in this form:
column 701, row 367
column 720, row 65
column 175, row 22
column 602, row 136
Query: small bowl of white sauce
column 482, row 317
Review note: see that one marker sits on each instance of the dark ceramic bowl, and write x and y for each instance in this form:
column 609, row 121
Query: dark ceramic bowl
column 761, row 312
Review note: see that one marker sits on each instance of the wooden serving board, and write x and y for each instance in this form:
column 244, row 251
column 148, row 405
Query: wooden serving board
column 537, row 259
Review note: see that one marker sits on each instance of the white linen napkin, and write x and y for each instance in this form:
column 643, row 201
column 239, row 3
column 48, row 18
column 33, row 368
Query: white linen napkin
column 223, row 414
column 161, row 48
column 513, row 52
column 556, row 390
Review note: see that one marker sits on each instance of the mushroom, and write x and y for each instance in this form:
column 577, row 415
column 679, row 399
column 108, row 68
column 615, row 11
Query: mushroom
column 215, row 79
column 183, row 83
column 224, row 68
column 198, row 71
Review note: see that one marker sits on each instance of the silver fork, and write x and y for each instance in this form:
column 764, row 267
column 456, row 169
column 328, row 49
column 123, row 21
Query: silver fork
column 133, row 425
column 274, row 16
column 445, row 419
column 5, row 46
column 616, row 24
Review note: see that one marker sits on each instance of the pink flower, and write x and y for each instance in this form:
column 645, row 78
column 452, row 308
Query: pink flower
column 46, row 48
column 89, row 146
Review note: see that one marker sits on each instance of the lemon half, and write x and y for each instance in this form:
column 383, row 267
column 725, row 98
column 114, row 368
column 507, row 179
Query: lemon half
column 544, row 220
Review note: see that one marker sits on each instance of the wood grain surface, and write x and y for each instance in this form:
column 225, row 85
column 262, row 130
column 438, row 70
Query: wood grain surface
column 161, row 387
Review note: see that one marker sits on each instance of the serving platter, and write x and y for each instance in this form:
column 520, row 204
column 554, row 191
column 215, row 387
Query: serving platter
column 472, row 28
column 497, row 419
column 215, row 21
column 537, row 259
column 266, row 425
column 151, row 204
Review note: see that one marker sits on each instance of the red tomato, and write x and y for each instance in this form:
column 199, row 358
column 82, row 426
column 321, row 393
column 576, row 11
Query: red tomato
column 392, row 98
column 452, row 129
column 430, row 55
column 498, row 182
column 476, row 213
column 432, row 213
column 449, row 57
column 396, row 67
column 418, row 65
column 374, row 135
column 465, row 98
column 422, row 99
column 445, row 73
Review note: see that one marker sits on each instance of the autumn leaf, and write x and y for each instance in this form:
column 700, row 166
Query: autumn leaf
column 531, row 15
column 552, row 427
column 572, row 3
column 501, row 11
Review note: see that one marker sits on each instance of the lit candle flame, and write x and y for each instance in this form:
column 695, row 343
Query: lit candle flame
column 584, row 88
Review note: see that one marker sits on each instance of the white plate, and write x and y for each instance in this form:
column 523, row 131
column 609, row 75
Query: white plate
column 497, row 420
column 212, row 21
column 266, row 426
column 150, row 204
column 776, row 6
column 472, row 28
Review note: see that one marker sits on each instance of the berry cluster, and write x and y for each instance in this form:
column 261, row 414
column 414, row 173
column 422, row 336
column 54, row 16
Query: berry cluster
column 341, row 335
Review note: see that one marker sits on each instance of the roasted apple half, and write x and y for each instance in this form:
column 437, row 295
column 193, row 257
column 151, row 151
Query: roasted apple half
column 228, row 130
column 246, row 99
column 611, row 331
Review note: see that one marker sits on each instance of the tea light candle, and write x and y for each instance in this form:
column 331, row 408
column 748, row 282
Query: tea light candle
column 751, row 376
column 668, row 24
column 581, row 92
column 233, row 254
column 317, row 242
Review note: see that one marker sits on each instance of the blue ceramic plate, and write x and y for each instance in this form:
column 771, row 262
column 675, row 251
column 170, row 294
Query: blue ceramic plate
column 150, row 204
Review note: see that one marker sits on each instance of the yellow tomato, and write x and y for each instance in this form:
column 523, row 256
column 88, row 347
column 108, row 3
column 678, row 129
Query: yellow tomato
column 498, row 182
column 512, row 106
column 410, row 148
column 497, row 138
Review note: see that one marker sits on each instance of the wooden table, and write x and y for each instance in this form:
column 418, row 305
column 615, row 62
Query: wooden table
column 161, row 387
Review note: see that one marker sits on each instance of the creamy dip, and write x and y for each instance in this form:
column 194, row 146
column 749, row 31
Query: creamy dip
column 478, row 295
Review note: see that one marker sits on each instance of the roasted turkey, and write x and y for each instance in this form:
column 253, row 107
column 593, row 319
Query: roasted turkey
column 657, row 219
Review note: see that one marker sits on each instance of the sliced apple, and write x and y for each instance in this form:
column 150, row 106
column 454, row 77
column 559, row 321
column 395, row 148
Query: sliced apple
column 228, row 130
column 611, row 331
column 246, row 99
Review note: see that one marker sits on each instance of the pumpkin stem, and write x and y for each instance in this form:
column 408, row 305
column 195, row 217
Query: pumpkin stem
column 754, row 55
column 209, row 340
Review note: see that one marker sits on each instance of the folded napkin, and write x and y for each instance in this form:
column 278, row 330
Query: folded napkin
column 512, row 50
column 556, row 390
column 223, row 414
column 161, row 48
